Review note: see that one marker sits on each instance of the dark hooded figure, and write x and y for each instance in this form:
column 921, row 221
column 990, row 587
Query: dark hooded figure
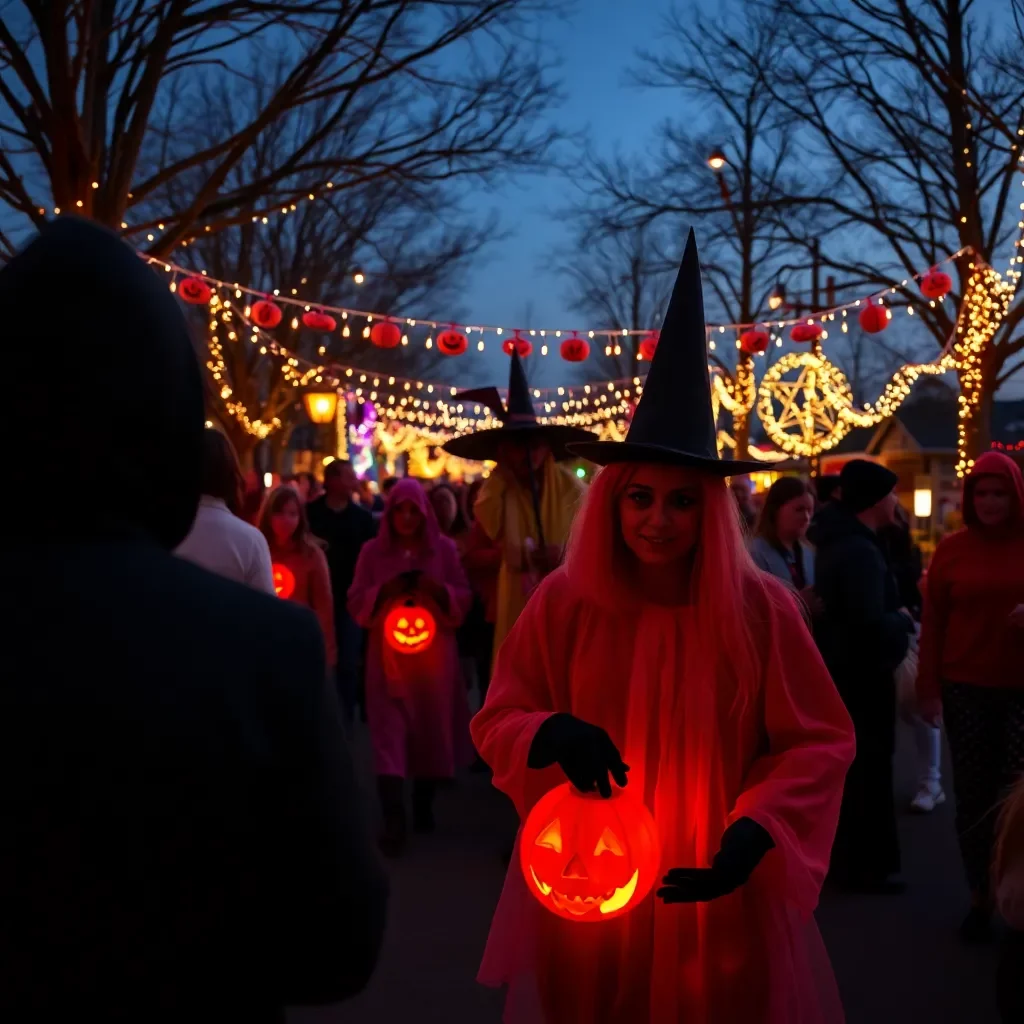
column 180, row 838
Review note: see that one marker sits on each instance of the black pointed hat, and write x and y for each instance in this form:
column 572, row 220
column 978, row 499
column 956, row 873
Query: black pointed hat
column 518, row 422
column 673, row 422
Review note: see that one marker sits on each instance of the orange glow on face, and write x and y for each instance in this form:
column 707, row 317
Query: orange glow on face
column 409, row 627
column 588, row 859
column 284, row 580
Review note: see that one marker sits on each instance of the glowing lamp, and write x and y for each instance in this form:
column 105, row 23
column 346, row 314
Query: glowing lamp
column 409, row 628
column 385, row 334
column 320, row 405
column 777, row 297
column 922, row 502
column 649, row 345
column 717, row 160
column 284, row 580
column 195, row 290
column 588, row 859
column 452, row 342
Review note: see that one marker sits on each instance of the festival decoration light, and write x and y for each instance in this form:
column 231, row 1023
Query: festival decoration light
column 318, row 320
column 452, row 342
column 320, row 406
column 284, row 580
column 409, row 627
column 195, row 291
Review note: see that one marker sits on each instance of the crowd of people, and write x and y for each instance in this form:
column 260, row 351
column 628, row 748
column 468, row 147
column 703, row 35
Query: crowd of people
column 190, row 838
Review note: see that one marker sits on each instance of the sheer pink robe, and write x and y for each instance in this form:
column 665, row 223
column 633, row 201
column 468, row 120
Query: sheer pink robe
column 753, row 957
column 418, row 715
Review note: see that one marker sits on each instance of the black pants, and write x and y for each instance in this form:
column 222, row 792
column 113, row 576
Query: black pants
column 985, row 729
column 1010, row 978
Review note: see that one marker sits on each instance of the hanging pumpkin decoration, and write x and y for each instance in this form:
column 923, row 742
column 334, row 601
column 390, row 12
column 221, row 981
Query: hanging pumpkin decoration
column 284, row 580
column 266, row 314
column 409, row 628
column 873, row 318
column 806, row 332
column 452, row 342
column 195, row 291
column 936, row 283
column 518, row 344
column 318, row 320
column 649, row 345
column 575, row 349
column 754, row 341
column 586, row 858
column 385, row 334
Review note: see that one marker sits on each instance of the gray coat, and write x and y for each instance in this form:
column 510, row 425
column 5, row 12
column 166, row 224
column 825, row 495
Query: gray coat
column 766, row 556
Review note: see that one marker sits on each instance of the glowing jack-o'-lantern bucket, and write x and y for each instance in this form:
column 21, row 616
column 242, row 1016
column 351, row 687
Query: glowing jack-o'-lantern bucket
column 587, row 858
column 284, row 580
column 409, row 628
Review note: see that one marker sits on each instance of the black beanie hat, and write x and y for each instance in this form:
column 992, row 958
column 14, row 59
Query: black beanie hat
column 825, row 487
column 864, row 484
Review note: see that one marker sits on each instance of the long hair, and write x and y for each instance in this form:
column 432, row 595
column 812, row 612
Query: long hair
column 221, row 473
column 724, row 580
column 1009, row 847
column 784, row 490
column 279, row 497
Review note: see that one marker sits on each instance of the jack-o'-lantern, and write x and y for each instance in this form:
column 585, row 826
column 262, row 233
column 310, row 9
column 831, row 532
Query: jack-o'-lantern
column 318, row 320
column 936, row 283
column 195, row 290
column 874, row 318
column 649, row 345
column 575, row 349
column 587, row 858
column 385, row 334
column 754, row 341
column 266, row 314
column 452, row 342
column 284, row 580
column 409, row 628
column 518, row 344
column 806, row 332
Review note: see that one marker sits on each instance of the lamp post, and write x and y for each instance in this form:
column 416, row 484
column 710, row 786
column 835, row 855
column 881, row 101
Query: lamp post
column 322, row 409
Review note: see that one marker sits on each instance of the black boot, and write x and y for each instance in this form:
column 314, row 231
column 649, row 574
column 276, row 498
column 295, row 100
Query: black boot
column 423, row 805
column 390, row 791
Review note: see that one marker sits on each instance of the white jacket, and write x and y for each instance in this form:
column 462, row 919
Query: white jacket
column 229, row 546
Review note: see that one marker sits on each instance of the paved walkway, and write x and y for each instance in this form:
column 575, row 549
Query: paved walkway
column 897, row 958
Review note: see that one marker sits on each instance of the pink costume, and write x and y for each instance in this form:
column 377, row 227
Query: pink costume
column 703, row 752
column 415, row 703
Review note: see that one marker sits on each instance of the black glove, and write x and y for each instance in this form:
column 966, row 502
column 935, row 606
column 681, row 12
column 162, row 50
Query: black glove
column 410, row 580
column 743, row 845
column 584, row 752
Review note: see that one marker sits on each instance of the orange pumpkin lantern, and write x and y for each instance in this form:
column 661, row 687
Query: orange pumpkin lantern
column 518, row 344
column 266, row 314
column 806, row 332
column 318, row 320
column 649, row 345
column 575, row 349
column 754, row 341
column 385, row 334
column 452, row 342
column 586, row 858
column 195, row 290
column 409, row 628
column 936, row 283
column 284, row 580
column 873, row 318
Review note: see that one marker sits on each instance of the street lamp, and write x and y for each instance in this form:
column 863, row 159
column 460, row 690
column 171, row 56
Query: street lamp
column 321, row 406
column 358, row 276
column 717, row 160
column 777, row 297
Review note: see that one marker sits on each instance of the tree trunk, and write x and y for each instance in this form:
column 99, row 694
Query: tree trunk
column 741, row 433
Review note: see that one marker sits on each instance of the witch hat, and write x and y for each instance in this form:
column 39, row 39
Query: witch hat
column 673, row 422
column 518, row 422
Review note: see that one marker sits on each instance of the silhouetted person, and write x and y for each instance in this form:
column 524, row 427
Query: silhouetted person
column 181, row 839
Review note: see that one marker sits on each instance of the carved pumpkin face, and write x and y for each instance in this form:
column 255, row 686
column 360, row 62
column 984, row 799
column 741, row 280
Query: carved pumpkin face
column 523, row 346
column 195, row 291
column 873, row 318
column 589, row 859
column 409, row 628
column 318, row 320
column 935, row 284
column 649, row 345
column 754, row 341
column 284, row 580
column 452, row 343
column 806, row 332
column 385, row 334
column 575, row 350
column 266, row 314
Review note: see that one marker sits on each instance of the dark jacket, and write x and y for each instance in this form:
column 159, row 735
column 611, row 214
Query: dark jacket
column 181, row 834
column 345, row 533
column 862, row 634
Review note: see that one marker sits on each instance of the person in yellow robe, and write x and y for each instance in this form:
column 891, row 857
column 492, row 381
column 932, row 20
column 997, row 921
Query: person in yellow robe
column 528, row 480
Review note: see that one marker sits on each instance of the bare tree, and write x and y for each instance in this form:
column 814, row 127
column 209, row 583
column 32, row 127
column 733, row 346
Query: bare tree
column 909, row 113
column 719, row 63
column 416, row 91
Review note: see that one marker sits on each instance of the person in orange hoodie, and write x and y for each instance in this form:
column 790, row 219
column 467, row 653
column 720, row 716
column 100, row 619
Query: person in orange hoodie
column 299, row 563
column 971, row 671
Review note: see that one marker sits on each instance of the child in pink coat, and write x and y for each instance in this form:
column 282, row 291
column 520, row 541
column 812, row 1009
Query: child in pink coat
column 410, row 591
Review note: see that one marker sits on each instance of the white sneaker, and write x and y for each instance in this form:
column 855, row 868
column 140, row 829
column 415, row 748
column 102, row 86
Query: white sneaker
column 929, row 796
